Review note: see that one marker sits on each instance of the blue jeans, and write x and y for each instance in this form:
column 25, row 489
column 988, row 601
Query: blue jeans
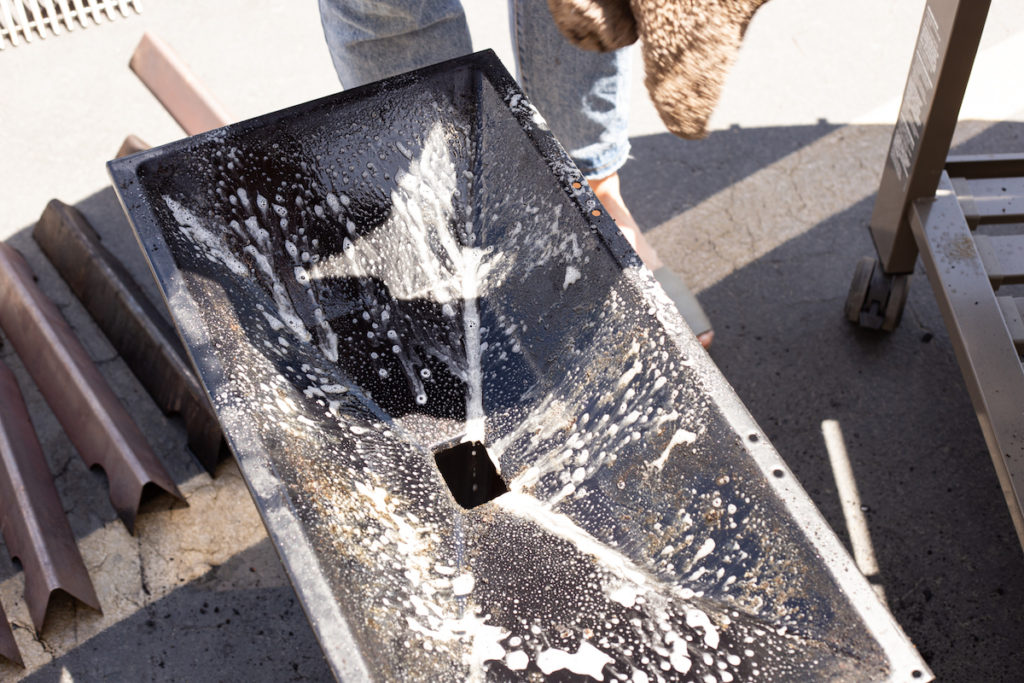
column 584, row 96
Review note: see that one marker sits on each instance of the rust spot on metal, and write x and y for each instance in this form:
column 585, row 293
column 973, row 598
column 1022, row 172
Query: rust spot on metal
column 88, row 410
column 961, row 249
column 31, row 516
column 145, row 340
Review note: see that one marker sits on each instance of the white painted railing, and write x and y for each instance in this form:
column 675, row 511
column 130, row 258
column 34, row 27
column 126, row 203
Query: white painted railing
column 26, row 20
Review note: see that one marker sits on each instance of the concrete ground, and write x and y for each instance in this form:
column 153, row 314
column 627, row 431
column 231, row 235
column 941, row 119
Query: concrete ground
column 765, row 218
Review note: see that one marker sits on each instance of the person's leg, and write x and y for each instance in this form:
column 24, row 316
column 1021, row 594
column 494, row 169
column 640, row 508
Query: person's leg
column 607, row 191
column 373, row 39
column 584, row 96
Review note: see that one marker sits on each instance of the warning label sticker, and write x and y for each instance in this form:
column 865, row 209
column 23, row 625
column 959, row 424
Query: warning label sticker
column 920, row 86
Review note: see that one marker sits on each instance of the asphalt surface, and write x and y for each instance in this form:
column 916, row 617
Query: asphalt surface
column 766, row 219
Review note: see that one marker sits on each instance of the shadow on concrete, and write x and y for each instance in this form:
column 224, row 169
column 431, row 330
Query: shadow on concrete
column 240, row 621
column 950, row 561
column 671, row 175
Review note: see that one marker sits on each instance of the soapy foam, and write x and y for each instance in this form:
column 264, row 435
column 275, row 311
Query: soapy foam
column 437, row 267
column 587, row 661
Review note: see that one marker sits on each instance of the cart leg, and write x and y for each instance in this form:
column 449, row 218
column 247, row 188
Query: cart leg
column 941, row 66
column 876, row 300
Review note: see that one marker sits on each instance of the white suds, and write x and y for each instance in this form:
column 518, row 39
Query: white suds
column 697, row 619
column 463, row 584
column 624, row 595
column 572, row 274
column 471, row 322
column 206, row 239
column 681, row 436
column 705, row 550
column 587, row 661
column 517, row 660
column 560, row 525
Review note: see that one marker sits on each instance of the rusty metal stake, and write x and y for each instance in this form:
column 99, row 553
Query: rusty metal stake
column 88, row 410
column 145, row 340
column 181, row 93
column 8, row 646
column 31, row 516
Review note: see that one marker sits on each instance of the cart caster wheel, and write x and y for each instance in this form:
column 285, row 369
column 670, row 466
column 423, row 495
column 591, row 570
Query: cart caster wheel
column 876, row 300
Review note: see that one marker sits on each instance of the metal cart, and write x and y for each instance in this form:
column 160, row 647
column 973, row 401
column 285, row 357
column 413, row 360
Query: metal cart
column 945, row 207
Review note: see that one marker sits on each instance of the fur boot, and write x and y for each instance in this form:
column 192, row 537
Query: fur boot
column 599, row 25
column 688, row 46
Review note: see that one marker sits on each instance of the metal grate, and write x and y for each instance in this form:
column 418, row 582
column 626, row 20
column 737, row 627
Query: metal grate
column 25, row 20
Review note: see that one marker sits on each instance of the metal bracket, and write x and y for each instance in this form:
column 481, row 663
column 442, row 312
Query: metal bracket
column 31, row 515
column 88, row 410
column 145, row 340
column 8, row 646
